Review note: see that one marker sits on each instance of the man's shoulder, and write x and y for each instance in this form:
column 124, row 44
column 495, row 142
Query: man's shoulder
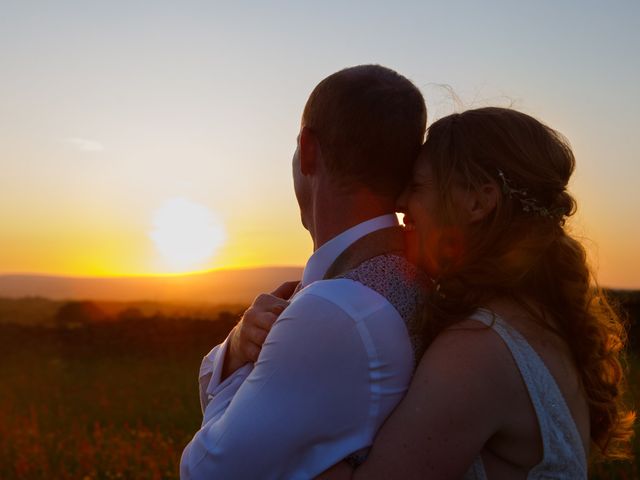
column 390, row 269
column 342, row 313
column 353, row 298
column 394, row 278
column 402, row 284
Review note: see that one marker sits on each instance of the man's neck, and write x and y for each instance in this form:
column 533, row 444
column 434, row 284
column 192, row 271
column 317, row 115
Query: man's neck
column 333, row 214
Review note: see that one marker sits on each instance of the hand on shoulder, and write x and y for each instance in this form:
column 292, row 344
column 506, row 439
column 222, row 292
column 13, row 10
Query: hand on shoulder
column 248, row 336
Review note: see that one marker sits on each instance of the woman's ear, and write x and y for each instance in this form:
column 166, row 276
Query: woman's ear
column 481, row 202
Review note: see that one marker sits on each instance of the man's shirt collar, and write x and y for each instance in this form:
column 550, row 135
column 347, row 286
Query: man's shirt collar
column 322, row 258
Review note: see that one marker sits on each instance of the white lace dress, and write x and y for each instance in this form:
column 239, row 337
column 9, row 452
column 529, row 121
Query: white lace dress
column 563, row 452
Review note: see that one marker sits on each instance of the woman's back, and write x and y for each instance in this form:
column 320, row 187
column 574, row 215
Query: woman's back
column 471, row 393
column 539, row 437
column 485, row 218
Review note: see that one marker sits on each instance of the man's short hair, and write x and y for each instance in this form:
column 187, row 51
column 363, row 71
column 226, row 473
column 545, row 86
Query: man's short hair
column 370, row 122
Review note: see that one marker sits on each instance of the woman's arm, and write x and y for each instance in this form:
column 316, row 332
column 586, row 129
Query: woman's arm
column 455, row 403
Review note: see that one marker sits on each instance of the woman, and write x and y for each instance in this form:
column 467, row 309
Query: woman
column 522, row 375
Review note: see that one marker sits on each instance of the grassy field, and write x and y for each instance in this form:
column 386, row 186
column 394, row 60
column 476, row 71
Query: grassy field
column 117, row 400
column 111, row 401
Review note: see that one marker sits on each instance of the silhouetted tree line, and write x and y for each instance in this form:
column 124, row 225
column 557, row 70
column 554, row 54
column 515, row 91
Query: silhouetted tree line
column 84, row 324
column 77, row 314
column 82, row 327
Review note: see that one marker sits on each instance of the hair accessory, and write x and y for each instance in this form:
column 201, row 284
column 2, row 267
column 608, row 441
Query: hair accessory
column 529, row 204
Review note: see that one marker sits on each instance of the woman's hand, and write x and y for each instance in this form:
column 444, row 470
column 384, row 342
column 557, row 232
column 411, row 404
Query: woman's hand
column 249, row 334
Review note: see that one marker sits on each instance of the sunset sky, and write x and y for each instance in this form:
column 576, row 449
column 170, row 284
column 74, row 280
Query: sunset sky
column 123, row 122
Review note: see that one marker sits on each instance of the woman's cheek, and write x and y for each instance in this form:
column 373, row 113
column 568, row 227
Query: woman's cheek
column 452, row 244
column 412, row 243
column 429, row 255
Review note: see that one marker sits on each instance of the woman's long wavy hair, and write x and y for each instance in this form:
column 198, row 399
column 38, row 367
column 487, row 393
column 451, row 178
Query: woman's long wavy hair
column 523, row 251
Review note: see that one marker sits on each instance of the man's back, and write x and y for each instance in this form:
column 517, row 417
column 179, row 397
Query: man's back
column 339, row 357
column 333, row 366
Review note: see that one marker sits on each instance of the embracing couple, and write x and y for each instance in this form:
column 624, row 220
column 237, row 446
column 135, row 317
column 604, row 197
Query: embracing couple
column 469, row 343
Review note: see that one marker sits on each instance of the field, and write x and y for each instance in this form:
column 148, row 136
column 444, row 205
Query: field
column 105, row 401
column 116, row 398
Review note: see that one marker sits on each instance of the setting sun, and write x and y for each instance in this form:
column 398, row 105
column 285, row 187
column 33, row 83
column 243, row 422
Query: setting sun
column 186, row 234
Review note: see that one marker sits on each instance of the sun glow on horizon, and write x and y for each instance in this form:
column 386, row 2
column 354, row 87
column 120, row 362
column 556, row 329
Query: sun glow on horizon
column 161, row 152
column 186, row 234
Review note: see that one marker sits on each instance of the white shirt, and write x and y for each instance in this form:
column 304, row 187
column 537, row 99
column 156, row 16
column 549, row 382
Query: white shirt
column 333, row 367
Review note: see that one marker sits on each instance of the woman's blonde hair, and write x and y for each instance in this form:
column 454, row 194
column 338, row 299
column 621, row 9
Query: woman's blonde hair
column 522, row 250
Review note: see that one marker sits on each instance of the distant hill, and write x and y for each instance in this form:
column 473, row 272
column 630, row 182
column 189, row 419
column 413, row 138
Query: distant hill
column 218, row 286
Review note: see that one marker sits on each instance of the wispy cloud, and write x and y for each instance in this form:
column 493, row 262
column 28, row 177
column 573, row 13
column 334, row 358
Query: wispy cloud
column 84, row 144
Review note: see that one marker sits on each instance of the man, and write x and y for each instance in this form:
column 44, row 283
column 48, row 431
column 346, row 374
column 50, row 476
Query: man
column 339, row 357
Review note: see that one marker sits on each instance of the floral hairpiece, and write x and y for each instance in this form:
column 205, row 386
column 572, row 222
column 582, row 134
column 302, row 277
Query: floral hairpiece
column 529, row 204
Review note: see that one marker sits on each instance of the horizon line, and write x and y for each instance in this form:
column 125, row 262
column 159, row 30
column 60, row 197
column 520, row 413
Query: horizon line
column 145, row 275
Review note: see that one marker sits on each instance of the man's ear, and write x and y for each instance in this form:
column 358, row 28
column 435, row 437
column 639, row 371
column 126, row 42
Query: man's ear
column 481, row 202
column 309, row 151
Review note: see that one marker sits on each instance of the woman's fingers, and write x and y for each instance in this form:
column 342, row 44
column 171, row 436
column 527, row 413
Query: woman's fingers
column 265, row 320
column 253, row 328
column 256, row 317
column 256, row 335
column 286, row 290
column 266, row 302
column 252, row 339
column 251, row 351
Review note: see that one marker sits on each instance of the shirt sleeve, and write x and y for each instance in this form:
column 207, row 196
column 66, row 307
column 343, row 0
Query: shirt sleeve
column 209, row 378
column 303, row 407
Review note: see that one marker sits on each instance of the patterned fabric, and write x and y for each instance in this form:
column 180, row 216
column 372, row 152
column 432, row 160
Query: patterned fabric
column 564, row 456
column 402, row 284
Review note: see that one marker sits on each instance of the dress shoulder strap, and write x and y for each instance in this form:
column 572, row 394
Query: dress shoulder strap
column 560, row 435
